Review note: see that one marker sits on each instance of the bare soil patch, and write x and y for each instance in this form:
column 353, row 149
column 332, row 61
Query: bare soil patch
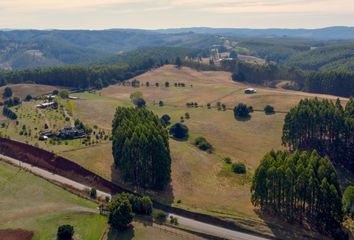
column 16, row 234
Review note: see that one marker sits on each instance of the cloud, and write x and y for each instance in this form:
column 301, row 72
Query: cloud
column 174, row 13
column 60, row 4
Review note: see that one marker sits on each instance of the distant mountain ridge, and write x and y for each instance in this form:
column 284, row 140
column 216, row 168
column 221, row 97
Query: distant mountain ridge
column 328, row 33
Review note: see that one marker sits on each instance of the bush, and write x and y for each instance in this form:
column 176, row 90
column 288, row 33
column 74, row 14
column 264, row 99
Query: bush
column 166, row 120
column 65, row 232
column 239, row 168
column 179, row 131
column 202, row 144
column 93, row 193
column 348, row 201
column 28, row 98
column 159, row 215
column 227, row 160
column 241, row 111
column 64, row 93
column 269, row 109
column 173, row 220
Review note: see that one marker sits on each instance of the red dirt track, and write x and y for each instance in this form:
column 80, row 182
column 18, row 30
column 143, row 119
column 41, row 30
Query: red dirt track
column 15, row 234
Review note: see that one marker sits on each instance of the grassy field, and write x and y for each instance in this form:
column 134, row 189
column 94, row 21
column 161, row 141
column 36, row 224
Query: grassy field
column 22, row 90
column 200, row 181
column 31, row 203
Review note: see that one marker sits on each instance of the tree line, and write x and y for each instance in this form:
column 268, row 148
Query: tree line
column 322, row 125
column 140, row 148
column 336, row 83
column 78, row 77
column 300, row 187
column 330, row 82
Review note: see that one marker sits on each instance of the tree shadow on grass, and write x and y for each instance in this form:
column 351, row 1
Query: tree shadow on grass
column 165, row 196
column 180, row 139
column 282, row 229
column 126, row 234
column 243, row 119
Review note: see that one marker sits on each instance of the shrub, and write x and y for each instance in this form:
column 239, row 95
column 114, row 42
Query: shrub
column 173, row 220
column 202, row 144
column 179, row 131
column 269, row 109
column 93, row 193
column 159, row 215
column 28, row 98
column 65, row 232
column 227, row 160
column 239, row 168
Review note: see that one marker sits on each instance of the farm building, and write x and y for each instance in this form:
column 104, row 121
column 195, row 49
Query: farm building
column 45, row 105
column 250, row 90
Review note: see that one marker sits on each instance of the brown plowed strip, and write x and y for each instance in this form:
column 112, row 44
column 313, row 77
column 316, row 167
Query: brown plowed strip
column 16, row 234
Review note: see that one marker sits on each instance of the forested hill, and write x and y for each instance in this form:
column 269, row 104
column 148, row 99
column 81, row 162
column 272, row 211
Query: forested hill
column 114, row 70
column 35, row 48
column 336, row 57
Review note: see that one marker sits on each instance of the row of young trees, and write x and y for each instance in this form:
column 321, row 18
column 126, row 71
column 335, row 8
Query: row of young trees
column 324, row 126
column 140, row 147
column 300, row 187
column 7, row 112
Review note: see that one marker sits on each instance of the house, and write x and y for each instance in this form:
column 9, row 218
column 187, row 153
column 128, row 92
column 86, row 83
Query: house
column 250, row 91
column 43, row 138
column 71, row 133
column 46, row 133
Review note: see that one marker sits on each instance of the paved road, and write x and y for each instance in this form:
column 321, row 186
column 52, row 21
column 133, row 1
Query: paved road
column 193, row 224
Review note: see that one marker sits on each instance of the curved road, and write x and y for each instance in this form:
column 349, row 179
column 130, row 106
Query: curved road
column 190, row 223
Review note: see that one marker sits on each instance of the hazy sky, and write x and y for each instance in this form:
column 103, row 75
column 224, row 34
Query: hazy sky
column 103, row 14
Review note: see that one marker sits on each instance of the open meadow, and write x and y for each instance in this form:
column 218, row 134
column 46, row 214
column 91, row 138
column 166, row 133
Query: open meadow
column 31, row 203
column 200, row 181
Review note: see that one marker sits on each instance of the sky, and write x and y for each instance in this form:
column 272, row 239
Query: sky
column 148, row 14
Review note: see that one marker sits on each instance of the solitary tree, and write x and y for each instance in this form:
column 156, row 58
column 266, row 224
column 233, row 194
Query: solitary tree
column 241, row 111
column 178, row 62
column 137, row 99
column 233, row 54
column 7, row 92
column 179, row 131
column 121, row 213
column 65, row 232
column 269, row 109
column 166, row 119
